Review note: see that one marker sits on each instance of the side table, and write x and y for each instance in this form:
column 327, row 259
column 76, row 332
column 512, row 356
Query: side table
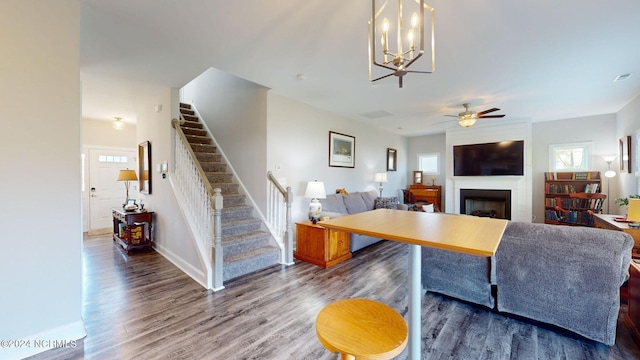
column 321, row 246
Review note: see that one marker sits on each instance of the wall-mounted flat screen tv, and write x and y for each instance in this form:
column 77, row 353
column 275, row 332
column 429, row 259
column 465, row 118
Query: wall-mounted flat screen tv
column 490, row 159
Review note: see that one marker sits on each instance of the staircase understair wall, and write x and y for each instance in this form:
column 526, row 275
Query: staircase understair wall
column 247, row 245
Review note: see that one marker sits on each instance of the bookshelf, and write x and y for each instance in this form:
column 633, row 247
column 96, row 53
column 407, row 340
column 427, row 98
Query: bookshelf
column 558, row 186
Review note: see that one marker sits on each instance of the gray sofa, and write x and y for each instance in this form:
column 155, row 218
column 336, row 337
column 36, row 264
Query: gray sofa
column 566, row 276
column 336, row 205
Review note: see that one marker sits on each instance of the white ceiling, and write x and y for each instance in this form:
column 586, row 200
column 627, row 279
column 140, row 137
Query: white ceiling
column 538, row 60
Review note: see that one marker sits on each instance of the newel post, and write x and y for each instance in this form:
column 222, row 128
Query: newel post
column 288, row 233
column 218, row 261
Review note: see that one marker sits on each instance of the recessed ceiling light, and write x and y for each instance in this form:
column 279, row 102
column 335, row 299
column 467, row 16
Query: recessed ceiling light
column 377, row 114
column 622, row 77
column 300, row 77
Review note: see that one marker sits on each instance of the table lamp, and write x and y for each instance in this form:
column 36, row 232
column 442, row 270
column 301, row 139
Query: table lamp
column 315, row 191
column 127, row 176
column 381, row 178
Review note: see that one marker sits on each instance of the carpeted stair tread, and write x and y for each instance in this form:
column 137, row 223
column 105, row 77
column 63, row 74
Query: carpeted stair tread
column 233, row 245
column 251, row 254
column 194, row 139
column 195, row 132
column 249, row 262
column 191, row 125
column 203, row 148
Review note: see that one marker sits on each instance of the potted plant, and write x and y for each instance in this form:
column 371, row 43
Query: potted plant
column 622, row 202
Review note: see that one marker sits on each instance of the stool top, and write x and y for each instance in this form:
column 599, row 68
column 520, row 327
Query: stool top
column 363, row 328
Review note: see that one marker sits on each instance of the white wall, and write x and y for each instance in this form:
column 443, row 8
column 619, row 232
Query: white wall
column 298, row 150
column 101, row 133
column 599, row 129
column 40, row 261
column 172, row 236
column 628, row 123
column 235, row 111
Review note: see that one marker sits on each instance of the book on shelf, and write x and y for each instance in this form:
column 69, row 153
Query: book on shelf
column 591, row 188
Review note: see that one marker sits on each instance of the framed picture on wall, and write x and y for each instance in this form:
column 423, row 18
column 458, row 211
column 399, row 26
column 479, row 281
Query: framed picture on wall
column 392, row 158
column 417, row 177
column 625, row 154
column 342, row 150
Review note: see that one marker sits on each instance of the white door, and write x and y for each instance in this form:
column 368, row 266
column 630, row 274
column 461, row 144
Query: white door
column 105, row 191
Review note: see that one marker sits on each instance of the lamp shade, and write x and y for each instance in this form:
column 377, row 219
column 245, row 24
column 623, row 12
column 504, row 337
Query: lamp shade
column 315, row 190
column 633, row 210
column 127, row 175
column 381, row 177
column 609, row 173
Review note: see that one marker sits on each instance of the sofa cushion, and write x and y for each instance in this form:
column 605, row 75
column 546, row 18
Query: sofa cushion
column 334, row 203
column 355, row 204
column 369, row 198
column 386, row 203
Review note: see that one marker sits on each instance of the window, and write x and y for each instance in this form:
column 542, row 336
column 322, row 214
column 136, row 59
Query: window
column 570, row 157
column 113, row 159
column 429, row 163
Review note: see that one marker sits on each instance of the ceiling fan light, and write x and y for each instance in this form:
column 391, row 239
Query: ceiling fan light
column 467, row 122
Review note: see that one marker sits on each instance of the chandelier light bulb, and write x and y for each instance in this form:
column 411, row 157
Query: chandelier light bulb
column 414, row 20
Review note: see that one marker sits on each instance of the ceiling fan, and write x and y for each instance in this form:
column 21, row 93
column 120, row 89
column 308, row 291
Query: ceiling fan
column 468, row 118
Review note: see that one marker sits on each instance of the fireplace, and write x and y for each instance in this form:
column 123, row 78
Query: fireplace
column 486, row 203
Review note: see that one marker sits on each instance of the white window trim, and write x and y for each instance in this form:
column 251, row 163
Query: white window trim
column 437, row 157
column 586, row 145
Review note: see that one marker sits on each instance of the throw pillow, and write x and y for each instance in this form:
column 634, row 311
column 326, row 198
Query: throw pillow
column 341, row 191
column 386, row 203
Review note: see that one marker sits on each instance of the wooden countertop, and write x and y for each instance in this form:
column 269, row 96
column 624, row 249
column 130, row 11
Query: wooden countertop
column 459, row 233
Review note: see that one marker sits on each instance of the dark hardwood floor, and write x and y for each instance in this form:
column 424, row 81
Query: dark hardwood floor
column 140, row 306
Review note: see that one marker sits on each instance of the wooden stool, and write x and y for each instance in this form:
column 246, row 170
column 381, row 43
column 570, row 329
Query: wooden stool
column 362, row 329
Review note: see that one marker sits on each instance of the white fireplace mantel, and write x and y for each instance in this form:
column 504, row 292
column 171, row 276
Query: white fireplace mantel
column 520, row 186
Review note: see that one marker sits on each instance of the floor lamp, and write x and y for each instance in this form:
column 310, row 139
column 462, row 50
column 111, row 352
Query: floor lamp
column 609, row 174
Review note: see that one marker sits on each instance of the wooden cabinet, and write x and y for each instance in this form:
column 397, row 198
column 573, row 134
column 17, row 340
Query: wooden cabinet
column 558, row 186
column 632, row 317
column 318, row 245
column 427, row 193
column 132, row 229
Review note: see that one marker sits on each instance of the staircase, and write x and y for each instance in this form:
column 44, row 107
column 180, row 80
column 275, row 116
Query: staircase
column 247, row 246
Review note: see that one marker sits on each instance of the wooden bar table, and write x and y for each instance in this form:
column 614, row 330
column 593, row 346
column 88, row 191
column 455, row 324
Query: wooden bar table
column 479, row 236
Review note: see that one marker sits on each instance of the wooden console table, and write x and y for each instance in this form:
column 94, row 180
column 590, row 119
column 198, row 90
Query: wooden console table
column 133, row 229
column 321, row 246
column 605, row 221
column 427, row 193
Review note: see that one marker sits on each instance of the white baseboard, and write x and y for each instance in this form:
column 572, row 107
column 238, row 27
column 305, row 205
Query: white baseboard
column 62, row 336
column 196, row 274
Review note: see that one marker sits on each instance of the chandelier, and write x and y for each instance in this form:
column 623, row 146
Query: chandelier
column 413, row 40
